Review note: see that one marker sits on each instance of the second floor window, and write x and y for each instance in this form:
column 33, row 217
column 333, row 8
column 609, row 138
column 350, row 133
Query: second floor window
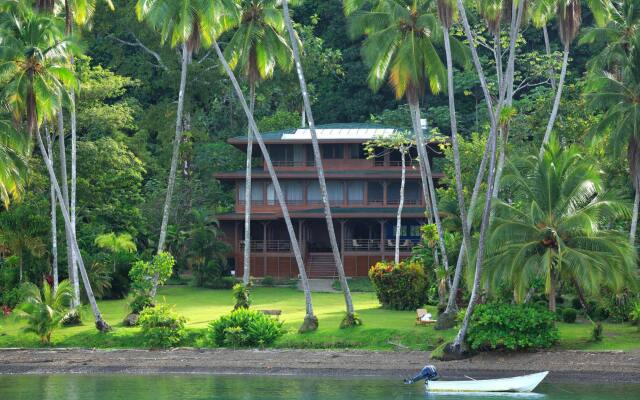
column 332, row 151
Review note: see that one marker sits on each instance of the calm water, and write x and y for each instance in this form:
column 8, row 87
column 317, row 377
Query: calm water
column 160, row 387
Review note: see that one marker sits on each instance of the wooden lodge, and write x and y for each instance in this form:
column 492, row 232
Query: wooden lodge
column 364, row 196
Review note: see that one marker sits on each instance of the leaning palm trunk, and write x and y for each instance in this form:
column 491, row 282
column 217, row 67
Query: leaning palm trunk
column 54, row 231
column 311, row 321
column 484, row 228
column 634, row 217
column 101, row 325
column 174, row 160
column 73, row 277
column 74, row 179
column 318, row 161
column 466, row 236
column 400, row 205
column 547, row 49
column 427, row 176
column 247, row 193
column 556, row 101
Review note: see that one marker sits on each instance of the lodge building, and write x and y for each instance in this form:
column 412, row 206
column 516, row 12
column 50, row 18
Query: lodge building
column 363, row 193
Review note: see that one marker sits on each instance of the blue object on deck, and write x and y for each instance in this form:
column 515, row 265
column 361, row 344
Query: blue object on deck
column 428, row 373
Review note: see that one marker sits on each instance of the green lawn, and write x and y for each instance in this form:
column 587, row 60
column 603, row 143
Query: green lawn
column 382, row 329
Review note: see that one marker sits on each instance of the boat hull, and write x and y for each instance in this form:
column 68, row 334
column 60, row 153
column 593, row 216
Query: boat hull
column 523, row 384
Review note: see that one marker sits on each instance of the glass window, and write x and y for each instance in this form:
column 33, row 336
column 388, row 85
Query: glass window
column 332, row 151
column 355, row 192
column 256, row 192
column 293, row 191
column 375, row 192
column 271, row 194
column 313, row 192
column 335, row 192
column 356, row 151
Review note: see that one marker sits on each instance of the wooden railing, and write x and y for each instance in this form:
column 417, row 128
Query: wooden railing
column 274, row 246
column 377, row 244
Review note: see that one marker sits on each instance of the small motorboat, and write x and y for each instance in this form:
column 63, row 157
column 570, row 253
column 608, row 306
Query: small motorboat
column 522, row 384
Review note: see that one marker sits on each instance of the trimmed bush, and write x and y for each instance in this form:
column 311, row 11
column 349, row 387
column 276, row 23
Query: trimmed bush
column 569, row 315
column 244, row 327
column 513, row 327
column 242, row 294
column 400, row 286
column 162, row 327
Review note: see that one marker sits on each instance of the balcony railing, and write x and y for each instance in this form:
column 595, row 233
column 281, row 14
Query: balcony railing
column 293, row 163
column 376, row 244
column 272, row 246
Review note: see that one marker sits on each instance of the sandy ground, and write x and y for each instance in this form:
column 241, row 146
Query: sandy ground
column 567, row 366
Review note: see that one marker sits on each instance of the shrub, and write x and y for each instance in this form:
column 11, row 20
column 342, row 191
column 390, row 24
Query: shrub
column 569, row 315
column 598, row 313
column 244, row 327
column 162, row 327
column 513, row 327
column 242, row 295
column 268, row 281
column 400, row 286
column 12, row 297
column 210, row 275
column 142, row 273
column 576, row 304
column 140, row 301
column 634, row 315
column 72, row 318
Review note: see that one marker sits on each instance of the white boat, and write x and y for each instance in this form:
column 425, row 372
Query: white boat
column 524, row 383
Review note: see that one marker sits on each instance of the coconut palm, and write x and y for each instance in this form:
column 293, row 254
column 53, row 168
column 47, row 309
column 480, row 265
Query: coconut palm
column 350, row 318
column 557, row 232
column 44, row 309
column 569, row 15
column 116, row 244
column 256, row 48
column 14, row 148
column 35, row 74
column 188, row 24
column 310, row 321
column 617, row 94
column 399, row 47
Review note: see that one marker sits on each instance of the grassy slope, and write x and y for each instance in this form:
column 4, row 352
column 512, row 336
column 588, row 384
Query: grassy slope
column 382, row 329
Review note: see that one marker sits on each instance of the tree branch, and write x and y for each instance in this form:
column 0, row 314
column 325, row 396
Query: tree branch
column 138, row 43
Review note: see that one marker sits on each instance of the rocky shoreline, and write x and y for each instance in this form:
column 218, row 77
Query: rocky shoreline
column 565, row 366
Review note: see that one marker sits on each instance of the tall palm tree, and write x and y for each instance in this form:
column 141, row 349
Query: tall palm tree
column 558, row 231
column 187, row 23
column 310, row 321
column 34, row 68
column 14, row 148
column 617, row 94
column 256, row 48
column 569, row 14
column 350, row 318
column 399, row 46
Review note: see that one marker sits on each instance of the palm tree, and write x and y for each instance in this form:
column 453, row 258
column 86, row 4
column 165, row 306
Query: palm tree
column 256, row 48
column 617, row 94
column 350, row 318
column 558, row 231
column 310, row 321
column 116, row 244
column 14, row 147
column 187, row 23
column 399, row 46
column 20, row 234
column 34, row 68
column 45, row 309
column 569, row 20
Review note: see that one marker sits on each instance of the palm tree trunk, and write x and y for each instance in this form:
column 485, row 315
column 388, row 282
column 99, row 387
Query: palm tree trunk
column 247, row 193
column 552, row 291
column 54, row 230
column 72, row 197
column 400, row 205
column 556, row 101
column 547, row 50
column 466, row 235
column 101, row 325
column 318, row 161
column 484, row 227
column 426, row 175
column 177, row 140
column 73, row 277
column 634, row 217
column 311, row 322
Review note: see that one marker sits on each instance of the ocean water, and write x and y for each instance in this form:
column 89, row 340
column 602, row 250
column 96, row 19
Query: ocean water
column 232, row 387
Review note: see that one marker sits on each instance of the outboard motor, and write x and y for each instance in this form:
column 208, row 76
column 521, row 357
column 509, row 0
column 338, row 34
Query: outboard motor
column 428, row 373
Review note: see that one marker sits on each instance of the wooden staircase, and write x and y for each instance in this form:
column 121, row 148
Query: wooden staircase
column 321, row 265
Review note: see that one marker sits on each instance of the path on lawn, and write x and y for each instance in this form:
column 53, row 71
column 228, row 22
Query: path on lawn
column 565, row 366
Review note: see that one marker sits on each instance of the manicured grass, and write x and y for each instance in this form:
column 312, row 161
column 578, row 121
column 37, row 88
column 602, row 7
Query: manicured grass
column 382, row 330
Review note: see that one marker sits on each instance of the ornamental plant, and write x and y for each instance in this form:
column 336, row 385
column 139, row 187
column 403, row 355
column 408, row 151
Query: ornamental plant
column 244, row 327
column 162, row 327
column 143, row 272
column 512, row 327
column 401, row 286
